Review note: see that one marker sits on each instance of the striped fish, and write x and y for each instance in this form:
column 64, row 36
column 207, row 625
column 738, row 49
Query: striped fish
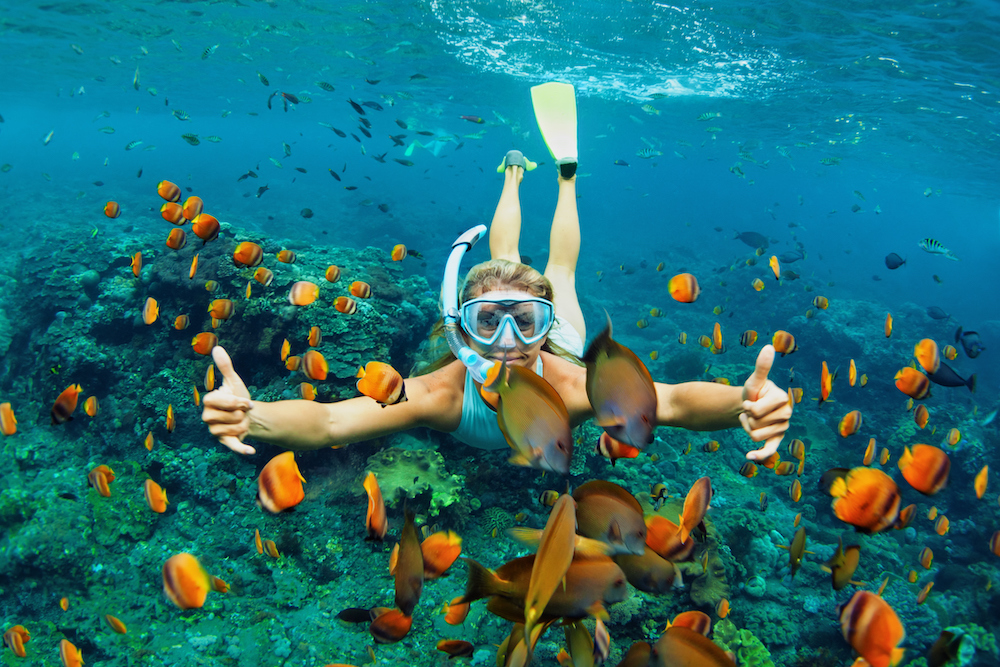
column 647, row 153
column 935, row 247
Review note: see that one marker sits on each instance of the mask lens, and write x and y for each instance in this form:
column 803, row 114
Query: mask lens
column 484, row 320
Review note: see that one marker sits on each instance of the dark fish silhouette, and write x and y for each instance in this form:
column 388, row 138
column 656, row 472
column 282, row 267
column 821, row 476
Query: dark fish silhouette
column 936, row 313
column 971, row 343
column 752, row 239
column 947, row 377
column 791, row 256
column 893, row 261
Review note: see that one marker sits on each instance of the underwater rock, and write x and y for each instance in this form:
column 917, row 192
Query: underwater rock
column 756, row 586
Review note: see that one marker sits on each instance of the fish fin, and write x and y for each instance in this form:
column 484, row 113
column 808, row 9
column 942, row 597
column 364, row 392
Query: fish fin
column 494, row 382
column 530, row 537
column 615, row 533
column 482, row 582
column 597, row 610
column 519, row 460
column 826, row 569
column 896, row 656
column 591, row 548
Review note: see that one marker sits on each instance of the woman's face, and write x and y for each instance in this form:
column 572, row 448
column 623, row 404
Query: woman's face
column 508, row 346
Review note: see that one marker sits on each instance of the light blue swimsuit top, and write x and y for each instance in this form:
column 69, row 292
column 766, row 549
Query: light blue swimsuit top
column 479, row 426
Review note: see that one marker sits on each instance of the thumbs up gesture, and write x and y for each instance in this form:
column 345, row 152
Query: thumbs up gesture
column 765, row 408
column 225, row 409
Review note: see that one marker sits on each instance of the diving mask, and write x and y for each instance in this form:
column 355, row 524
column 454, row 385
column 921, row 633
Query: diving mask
column 487, row 318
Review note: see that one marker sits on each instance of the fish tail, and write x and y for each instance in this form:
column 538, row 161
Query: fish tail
column 482, row 582
column 897, row 656
column 971, row 383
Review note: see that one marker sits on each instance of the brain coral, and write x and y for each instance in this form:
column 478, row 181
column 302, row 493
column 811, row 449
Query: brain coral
column 407, row 473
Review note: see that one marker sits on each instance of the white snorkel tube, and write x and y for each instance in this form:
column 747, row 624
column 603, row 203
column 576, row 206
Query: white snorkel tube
column 477, row 366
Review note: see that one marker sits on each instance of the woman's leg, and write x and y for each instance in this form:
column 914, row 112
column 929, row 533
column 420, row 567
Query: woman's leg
column 505, row 230
column 564, row 249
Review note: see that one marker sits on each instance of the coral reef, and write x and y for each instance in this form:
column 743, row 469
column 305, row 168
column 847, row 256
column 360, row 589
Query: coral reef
column 749, row 650
column 406, row 473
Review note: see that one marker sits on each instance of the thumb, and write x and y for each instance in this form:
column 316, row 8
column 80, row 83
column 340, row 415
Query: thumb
column 770, row 447
column 229, row 377
column 755, row 383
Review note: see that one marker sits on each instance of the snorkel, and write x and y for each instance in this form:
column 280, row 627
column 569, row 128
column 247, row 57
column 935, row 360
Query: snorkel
column 477, row 366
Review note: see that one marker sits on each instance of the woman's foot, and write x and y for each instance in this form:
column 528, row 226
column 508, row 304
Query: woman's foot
column 515, row 158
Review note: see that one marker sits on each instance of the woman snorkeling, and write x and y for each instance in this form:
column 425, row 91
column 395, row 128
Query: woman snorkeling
column 505, row 311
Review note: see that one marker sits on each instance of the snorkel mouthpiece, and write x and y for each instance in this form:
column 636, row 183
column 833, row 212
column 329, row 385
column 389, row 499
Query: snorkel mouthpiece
column 477, row 366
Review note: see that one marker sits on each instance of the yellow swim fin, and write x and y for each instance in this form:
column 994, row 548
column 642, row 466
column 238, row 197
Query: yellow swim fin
column 555, row 111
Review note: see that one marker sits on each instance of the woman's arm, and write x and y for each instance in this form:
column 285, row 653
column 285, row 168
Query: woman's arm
column 434, row 400
column 698, row 406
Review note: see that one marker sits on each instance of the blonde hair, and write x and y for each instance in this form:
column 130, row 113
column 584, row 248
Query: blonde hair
column 494, row 275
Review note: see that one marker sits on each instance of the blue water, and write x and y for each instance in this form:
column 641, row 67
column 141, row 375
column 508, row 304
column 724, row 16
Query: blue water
column 905, row 95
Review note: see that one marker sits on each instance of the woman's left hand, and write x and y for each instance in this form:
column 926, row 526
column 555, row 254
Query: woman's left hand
column 765, row 408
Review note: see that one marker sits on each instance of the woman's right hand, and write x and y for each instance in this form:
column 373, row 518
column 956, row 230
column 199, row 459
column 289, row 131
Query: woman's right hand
column 225, row 409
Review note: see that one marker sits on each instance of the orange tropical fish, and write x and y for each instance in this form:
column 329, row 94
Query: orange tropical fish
column 100, row 477
column 148, row 442
column 924, row 592
column 286, row 256
column 928, row 356
column 176, row 239
column 654, row 355
column 921, row 415
column 64, row 604
column 850, row 424
column 197, row 396
column 271, row 549
column 821, row 302
column 332, row 273
column 194, row 267
column 925, row 467
column 70, row 655
column 912, row 576
column 170, row 422
column 185, row 581
column 757, row 284
column 91, row 406
column 181, row 323
column 150, row 311
column 942, row 525
column 773, row 263
column 285, row 349
column 257, row 541
column 949, row 352
column 204, row 342
column 456, row 648
column 717, row 336
column 168, row 191
column 852, row 374
column 263, row 275
column 156, row 497
column 912, row 382
column 65, row 405
column 248, row 254
column 303, row 293
column 173, row 213
column 15, row 638
column 398, row 253
column 112, row 209
column 704, row 341
column 293, row 363
column 883, row 456
column 722, row 609
column 864, row 380
column 784, row 342
column 193, row 206
column 210, row 377
column 115, row 624
column 684, row 288
column 926, row 557
column 783, row 468
column 8, row 422
column 307, row 391
column 409, row 571
column 796, row 394
column 698, row 621
column 932, row 513
column 873, row 629
column 345, row 305
column 954, row 435
column 314, row 365
column 795, row 491
column 206, row 227
column 866, row 498
column 826, row 383
column 381, row 382
column 682, row 646
column 696, row 505
column 280, row 484
column 888, row 325
column 376, row 523
column 136, row 264
column 613, row 450
column 439, row 550
column 982, row 477
column 315, row 337
column 995, row 543
column 389, row 625
column 870, row 452
column 360, row 289
column 456, row 611
column 221, row 308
